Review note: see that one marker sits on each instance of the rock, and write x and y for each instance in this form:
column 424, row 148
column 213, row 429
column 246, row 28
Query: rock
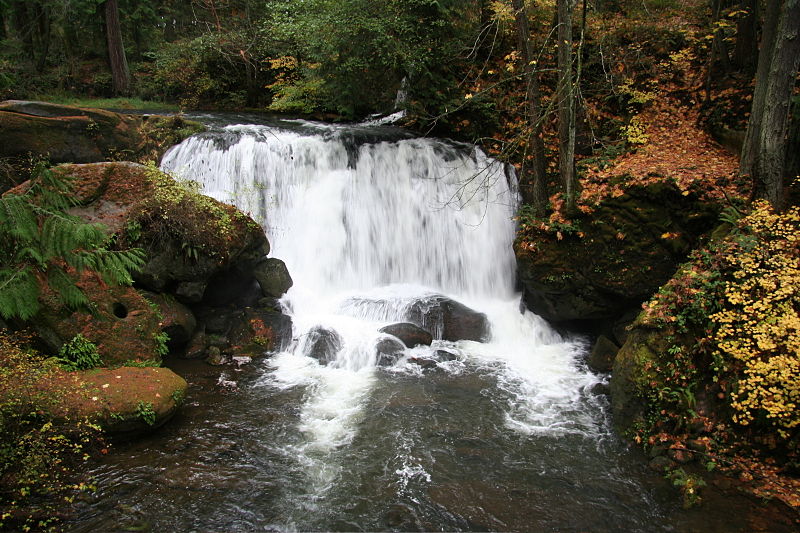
column 661, row 464
column 680, row 455
column 273, row 277
column 389, row 351
column 128, row 400
column 257, row 331
column 80, row 135
column 124, row 326
column 448, row 320
column 601, row 359
column 322, row 344
column 177, row 321
column 635, row 241
column 215, row 357
column 197, row 346
column 600, row 389
column 423, row 362
column 410, row 334
column 631, row 376
column 444, row 355
column 190, row 292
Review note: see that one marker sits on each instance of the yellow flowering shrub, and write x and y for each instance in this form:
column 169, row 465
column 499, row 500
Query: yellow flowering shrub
column 758, row 326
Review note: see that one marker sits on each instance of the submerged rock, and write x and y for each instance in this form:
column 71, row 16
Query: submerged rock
column 410, row 334
column 389, row 350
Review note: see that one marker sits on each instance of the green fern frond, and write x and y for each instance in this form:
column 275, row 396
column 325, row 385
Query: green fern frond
column 64, row 286
column 17, row 218
column 19, row 293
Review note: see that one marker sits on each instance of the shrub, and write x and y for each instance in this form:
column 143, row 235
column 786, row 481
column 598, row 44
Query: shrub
column 79, row 354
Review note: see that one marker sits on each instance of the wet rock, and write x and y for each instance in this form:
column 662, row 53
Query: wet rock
column 257, row 331
column 322, row 344
column 215, row 356
column 448, row 319
column 197, row 346
column 410, row 334
column 600, row 389
column 601, row 358
column 444, row 355
column 423, row 362
column 389, row 351
column 273, row 277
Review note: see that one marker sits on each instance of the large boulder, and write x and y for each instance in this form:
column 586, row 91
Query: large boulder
column 79, row 135
column 190, row 239
column 410, row 334
column 635, row 243
column 388, row 351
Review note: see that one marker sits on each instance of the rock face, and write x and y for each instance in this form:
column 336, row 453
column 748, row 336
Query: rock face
column 635, row 241
column 77, row 135
column 410, row 334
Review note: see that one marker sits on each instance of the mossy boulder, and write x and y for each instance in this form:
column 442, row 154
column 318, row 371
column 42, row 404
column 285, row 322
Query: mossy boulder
column 129, row 400
column 80, row 135
column 177, row 320
column 189, row 238
column 122, row 324
column 625, row 251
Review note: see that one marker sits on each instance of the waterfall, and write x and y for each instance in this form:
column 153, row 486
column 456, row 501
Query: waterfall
column 370, row 223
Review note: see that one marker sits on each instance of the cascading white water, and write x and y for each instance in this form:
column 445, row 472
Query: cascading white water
column 387, row 223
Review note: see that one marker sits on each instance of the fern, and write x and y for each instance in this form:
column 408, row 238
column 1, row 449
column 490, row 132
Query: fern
column 40, row 243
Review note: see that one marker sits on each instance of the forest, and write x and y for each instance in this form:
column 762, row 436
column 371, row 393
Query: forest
column 654, row 145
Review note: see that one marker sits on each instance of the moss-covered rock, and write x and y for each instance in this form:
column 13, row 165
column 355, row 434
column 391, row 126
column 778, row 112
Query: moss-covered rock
column 79, row 135
column 632, row 374
column 129, row 400
column 620, row 256
column 123, row 324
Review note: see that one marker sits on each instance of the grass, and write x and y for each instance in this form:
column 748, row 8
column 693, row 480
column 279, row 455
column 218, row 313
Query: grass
column 107, row 103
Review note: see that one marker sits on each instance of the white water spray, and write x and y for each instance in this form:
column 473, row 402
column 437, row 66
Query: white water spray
column 384, row 224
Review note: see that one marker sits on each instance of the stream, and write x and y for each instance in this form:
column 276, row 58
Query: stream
column 501, row 433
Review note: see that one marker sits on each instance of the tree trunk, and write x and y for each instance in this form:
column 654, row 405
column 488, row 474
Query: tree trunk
column 566, row 106
column 120, row 75
column 538, row 192
column 769, row 159
column 746, row 50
